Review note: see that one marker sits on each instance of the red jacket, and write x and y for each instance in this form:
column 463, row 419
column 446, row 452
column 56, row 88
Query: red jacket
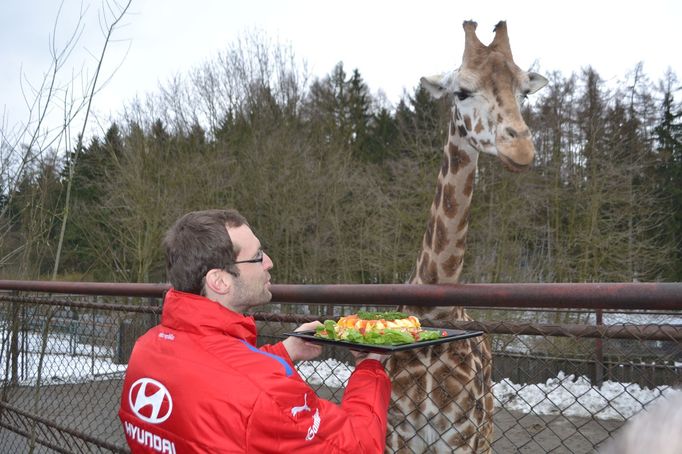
column 197, row 383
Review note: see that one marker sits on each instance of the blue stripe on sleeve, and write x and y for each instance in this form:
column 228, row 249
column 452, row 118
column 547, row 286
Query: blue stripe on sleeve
column 287, row 368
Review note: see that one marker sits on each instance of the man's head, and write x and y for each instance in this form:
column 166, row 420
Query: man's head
column 215, row 253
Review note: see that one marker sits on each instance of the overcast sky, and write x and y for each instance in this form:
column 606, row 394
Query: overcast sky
column 392, row 43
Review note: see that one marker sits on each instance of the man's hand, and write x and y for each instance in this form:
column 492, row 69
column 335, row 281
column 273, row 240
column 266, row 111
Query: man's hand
column 361, row 356
column 300, row 350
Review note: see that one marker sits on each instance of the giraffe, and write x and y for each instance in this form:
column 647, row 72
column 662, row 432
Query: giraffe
column 442, row 399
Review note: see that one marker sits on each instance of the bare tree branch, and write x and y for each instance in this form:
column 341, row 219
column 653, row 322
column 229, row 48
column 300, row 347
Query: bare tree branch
column 79, row 145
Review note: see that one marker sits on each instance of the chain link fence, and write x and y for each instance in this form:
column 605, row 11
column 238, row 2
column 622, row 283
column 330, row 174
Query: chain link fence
column 63, row 361
column 564, row 381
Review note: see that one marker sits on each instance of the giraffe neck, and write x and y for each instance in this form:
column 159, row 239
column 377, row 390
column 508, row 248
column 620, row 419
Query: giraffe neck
column 440, row 260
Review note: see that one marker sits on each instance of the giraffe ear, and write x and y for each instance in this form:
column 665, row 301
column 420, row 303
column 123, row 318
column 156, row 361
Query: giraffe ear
column 439, row 85
column 536, row 82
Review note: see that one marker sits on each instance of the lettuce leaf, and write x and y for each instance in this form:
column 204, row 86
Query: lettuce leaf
column 353, row 335
column 389, row 337
column 327, row 330
column 387, row 315
column 429, row 335
column 330, row 327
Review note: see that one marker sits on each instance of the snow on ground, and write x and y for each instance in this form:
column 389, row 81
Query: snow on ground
column 566, row 394
column 64, row 361
column 642, row 318
column 67, row 361
column 575, row 396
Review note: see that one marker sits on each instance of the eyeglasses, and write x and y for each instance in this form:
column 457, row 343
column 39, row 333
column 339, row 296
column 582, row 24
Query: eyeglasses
column 258, row 259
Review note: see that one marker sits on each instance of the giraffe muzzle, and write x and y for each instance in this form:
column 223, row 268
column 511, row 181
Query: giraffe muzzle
column 513, row 165
column 515, row 148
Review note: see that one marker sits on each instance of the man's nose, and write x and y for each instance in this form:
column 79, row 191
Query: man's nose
column 267, row 261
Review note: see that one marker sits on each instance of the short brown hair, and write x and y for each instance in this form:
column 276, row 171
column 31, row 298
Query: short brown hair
column 197, row 243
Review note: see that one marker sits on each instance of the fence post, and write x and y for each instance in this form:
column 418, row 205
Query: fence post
column 13, row 356
column 124, row 346
column 599, row 353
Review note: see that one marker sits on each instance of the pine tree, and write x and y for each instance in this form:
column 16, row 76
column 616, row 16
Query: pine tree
column 359, row 114
column 382, row 136
column 669, row 140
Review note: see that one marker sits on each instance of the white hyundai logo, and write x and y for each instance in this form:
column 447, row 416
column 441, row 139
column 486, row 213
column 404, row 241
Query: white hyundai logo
column 150, row 400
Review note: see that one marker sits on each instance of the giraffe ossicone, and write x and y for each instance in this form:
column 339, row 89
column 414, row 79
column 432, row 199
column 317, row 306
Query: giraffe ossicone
column 442, row 399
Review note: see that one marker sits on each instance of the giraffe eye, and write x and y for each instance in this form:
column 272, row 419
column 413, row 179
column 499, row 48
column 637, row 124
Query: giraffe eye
column 462, row 94
column 523, row 96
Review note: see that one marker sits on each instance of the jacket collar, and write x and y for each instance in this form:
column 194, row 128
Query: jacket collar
column 199, row 315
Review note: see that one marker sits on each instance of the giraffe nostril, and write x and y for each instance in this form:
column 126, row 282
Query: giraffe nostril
column 512, row 133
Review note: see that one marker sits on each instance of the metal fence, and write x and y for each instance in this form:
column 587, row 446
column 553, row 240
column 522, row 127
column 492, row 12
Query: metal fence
column 565, row 380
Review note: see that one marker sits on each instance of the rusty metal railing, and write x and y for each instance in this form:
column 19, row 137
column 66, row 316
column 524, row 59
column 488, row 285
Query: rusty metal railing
column 650, row 296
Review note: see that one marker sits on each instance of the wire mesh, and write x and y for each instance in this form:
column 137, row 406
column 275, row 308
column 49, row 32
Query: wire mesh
column 63, row 362
column 563, row 381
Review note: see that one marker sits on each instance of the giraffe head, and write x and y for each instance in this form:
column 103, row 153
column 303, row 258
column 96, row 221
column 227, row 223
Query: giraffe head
column 487, row 90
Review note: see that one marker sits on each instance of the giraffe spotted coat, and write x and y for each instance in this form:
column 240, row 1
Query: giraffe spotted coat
column 442, row 399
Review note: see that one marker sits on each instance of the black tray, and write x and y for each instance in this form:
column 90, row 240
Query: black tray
column 453, row 335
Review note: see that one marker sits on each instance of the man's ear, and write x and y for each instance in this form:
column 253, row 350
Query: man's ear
column 219, row 281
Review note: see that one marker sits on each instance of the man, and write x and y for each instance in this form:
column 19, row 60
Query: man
column 196, row 383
